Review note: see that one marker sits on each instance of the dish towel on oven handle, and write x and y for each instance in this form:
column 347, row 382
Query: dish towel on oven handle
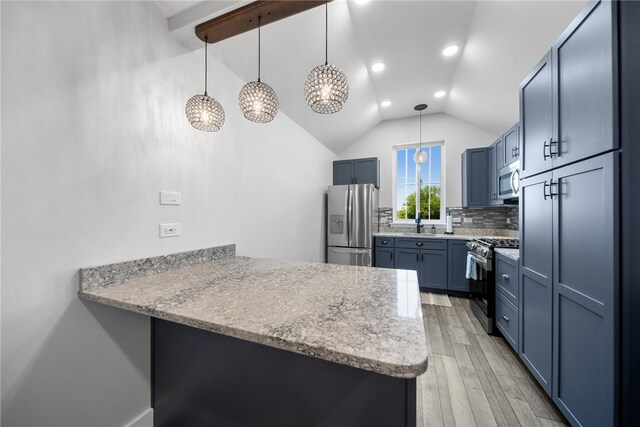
column 472, row 269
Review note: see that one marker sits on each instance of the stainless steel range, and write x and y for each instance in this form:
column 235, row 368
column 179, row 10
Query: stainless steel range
column 483, row 287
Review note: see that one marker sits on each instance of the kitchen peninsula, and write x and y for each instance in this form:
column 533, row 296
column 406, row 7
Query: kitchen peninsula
column 246, row 341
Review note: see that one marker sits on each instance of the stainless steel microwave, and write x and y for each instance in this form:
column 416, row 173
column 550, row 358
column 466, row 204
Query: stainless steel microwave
column 509, row 181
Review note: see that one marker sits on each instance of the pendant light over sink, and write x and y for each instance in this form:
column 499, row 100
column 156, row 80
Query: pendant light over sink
column 258, row 101
column 326, row 89
column 203, row 112
column 420, row 156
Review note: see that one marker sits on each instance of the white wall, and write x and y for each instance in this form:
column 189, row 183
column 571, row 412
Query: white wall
column 93, row 98
column 456, row 134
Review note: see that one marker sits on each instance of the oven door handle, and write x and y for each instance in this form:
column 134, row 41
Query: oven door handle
column 481, row 261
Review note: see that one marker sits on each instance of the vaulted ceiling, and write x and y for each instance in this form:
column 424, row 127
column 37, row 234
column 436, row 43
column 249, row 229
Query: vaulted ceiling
column 500, row 41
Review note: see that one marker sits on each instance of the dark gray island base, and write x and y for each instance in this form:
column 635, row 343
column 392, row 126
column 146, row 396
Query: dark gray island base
column 242, row 341
column 201, row 378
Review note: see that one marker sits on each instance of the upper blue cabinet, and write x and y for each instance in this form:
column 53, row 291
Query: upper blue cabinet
column 357, row 171
column 475, row 186
column 567, row 103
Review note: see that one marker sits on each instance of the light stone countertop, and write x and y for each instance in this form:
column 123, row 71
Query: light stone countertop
column 426, row 235
column 367, row 318
column 514, row 254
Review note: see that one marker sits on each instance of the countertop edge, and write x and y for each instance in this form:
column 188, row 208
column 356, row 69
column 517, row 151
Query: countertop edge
column 509, row 253
column 409, row 370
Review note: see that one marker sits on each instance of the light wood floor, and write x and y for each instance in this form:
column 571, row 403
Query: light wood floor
column 475, row 379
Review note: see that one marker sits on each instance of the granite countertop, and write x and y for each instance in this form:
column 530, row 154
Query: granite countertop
column 426, row 235
column 368, row 318
column 511, row 253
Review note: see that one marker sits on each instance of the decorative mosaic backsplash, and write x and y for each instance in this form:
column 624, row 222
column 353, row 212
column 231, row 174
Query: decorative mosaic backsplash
column 497, row 217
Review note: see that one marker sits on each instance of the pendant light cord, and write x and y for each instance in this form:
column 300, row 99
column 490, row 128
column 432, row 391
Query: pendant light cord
column 420, row 141
column 326, row 33
column 259, row 19
column 205, row 65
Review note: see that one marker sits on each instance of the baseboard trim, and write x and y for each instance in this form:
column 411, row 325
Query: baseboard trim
column 143, row 420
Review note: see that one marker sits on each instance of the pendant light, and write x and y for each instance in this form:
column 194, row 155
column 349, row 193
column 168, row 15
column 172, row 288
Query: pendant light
column 258, row 101
column 420, row 156
column 203, row 112
column 326, row 89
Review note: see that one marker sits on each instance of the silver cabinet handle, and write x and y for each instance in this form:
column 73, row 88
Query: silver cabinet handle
column 506, row 319
column 505, row 276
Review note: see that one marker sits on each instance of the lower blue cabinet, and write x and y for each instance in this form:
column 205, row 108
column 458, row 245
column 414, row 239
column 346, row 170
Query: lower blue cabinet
column 384, row 258
column 457, row 266
column 434, row 269
column 507, row 320
column 439, row 263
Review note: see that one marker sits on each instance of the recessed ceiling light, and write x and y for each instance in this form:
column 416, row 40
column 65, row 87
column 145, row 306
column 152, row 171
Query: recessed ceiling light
column 377, row 67
column 450, row 50
column 362, row 1
column 440, row 94
column 385, row 103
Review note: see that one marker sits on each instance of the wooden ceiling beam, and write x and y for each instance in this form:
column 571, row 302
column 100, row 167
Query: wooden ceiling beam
column 245, row 18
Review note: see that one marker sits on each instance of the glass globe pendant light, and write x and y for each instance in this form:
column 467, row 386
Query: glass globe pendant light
column 420, row 156
column 203, row 112
column 258, row 101
column 326, row 89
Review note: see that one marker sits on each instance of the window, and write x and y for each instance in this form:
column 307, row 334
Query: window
column 411, row 176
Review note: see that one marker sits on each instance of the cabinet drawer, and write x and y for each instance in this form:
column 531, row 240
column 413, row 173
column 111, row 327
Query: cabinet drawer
column 507, row 279
column 385, row 242
column 507, row 319
column 433, row 244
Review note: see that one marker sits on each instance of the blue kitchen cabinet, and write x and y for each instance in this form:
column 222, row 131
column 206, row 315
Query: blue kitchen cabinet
column 357, row 171
column 585, row 289
column 457, row 264
column 536, row 268
column 492, row 175
column 433, row 274
column 511, row 145
column 439, row 263
column 475, row 186
column 507, row 299
column 569, row 206
column 585, row 102
column 407, row 259
column 343, row 172
column 536, row 119
column 383, row 256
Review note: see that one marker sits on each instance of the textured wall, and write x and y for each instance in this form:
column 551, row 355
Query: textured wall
column 93, row 98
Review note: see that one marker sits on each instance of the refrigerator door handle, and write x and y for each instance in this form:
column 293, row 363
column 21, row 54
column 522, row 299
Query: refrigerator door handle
column 350, row 250
column 349, row 213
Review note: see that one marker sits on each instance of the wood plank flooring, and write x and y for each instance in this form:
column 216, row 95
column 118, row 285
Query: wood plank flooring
column 475, row 379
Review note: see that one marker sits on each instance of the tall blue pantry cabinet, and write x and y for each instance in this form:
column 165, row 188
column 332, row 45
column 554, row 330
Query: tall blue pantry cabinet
column 580, row 297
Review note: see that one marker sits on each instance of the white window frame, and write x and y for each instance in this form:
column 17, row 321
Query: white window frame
column 443, row 174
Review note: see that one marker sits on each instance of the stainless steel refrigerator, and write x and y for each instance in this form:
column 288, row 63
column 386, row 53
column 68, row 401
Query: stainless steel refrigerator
column 352, row 218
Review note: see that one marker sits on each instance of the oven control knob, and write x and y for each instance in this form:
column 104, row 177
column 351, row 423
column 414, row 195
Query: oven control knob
column 484, row 252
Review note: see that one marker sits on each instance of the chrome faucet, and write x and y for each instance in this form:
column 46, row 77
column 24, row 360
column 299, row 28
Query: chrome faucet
column 418, row 225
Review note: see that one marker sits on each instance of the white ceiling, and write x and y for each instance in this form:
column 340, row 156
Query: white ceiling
column 500, row 42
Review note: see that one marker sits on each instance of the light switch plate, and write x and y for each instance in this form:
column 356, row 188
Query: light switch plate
column 170, row 198
column 170, row 230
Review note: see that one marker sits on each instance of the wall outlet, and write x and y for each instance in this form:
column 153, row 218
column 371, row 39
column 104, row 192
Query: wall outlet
column 170, row 198
column 170, row 230
column 468, row 220
column 508, row 220
column 457, row 219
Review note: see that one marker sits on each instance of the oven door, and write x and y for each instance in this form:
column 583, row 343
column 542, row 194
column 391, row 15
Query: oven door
column 482, row 293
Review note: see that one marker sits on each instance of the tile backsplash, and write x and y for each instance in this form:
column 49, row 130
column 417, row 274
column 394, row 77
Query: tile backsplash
column 498, row 217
